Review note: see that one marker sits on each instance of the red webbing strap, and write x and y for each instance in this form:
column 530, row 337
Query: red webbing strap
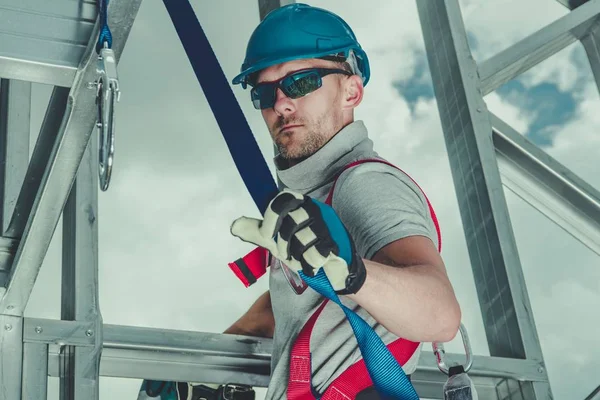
column 356, row 378
column 299, row 382
column 355, row 163
column 252, row 266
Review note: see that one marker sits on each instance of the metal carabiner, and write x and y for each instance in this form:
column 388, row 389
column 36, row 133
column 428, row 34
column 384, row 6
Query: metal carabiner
column 440, row 353
column 107, row 94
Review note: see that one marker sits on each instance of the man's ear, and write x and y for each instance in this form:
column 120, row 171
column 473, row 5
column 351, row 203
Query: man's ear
column 353, row 90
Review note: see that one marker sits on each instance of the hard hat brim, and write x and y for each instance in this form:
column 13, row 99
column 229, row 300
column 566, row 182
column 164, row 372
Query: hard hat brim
column 241, row 78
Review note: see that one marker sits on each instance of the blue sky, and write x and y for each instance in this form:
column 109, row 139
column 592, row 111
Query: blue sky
column 550, row 106
column 173, row 177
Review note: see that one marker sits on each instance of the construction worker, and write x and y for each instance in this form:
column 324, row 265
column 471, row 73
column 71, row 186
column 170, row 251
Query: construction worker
column 343, row 208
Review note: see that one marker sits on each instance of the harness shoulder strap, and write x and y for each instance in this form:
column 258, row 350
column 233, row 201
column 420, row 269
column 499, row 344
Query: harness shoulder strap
column 329, row 199
column 356, row 378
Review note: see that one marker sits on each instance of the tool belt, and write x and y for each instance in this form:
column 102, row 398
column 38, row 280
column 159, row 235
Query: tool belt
column 224, row 392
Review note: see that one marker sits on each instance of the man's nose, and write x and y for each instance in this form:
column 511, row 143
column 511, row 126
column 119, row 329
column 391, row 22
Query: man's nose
column 283, row 104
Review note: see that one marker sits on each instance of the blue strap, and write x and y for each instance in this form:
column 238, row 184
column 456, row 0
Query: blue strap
column 387, row 375
column 105, row 35
column 235, row 129
column 385, row 372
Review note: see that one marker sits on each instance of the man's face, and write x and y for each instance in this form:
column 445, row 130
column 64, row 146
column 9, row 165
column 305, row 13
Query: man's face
column 300, row 127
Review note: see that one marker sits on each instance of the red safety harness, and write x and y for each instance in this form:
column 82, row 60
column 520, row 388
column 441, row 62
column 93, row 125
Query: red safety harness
column 354, row 379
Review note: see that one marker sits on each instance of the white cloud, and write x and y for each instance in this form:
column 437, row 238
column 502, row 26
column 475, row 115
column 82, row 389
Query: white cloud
column 577, row 143
column 497, row 28
column 558, row 69
column 519, row 118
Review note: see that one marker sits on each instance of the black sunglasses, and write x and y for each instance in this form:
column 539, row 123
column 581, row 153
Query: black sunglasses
column 294, row 86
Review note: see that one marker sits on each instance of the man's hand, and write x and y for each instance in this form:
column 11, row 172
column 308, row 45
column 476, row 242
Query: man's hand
column 306, row 235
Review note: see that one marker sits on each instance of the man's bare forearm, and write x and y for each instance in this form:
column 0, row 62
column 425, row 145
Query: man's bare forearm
column 257, row 321
column 415, row 302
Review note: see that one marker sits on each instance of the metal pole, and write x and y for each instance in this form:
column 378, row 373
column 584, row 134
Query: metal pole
column 591, row 44
column 15, row 115
column 500, row 284
column 266, row 6
column 527, row 53
column 81, row 365
column 547, row 185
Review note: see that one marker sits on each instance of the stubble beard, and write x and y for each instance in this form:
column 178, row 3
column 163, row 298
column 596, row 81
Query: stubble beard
column 305, row 144
column 302, row 148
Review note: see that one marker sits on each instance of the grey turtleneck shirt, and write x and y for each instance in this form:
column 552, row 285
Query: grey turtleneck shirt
column 378, row 204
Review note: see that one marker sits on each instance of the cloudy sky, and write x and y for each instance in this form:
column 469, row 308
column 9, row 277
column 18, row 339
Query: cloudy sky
column 164, row 223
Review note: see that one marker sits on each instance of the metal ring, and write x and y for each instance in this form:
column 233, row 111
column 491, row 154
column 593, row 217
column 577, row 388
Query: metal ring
column 107, row 95
column 440, row 353
column 106, row 128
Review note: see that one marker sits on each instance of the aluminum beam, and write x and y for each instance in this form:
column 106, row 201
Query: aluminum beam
column 44, row 41
column 35, row 371
column 595, row 395
column 64, row 161
column 132, row 352
column 547, row 185
column 224, row 358
column 64, row 333
column 138, row 353
column 591, row 44
column 15, row 114
column 499, row 280
column 11, row 361
column 80, row 279
column 536, row 48
column 39, row 159
column 15, row 118
column 266, row 6
column 8, row 248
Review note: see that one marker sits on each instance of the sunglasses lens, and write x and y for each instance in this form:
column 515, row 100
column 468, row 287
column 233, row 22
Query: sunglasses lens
column 263, row 96
column 296, row 86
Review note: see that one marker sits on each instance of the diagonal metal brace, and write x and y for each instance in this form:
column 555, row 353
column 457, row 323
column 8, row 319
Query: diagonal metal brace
column 527, row 53
column 62, row 167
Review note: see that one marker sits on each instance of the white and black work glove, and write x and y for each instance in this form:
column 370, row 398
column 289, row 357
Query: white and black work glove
column 306, row 235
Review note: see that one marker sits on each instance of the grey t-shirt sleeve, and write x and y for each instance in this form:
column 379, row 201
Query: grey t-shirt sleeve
column 379, row 204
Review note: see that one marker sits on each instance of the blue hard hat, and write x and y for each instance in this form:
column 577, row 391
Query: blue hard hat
column 299, row 31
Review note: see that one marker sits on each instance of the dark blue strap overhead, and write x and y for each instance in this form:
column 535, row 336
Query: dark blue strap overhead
column 235, row 129
column 105, row 35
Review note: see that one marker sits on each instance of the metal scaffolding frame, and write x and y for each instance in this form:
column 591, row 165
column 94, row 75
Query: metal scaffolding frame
column 61, row 178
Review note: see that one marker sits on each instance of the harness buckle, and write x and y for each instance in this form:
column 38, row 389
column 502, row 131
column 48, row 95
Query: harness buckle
column 440, row 353
column 107, row 94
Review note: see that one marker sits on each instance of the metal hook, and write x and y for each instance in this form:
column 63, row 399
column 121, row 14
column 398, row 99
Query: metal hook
column 295, row 281
column 439, row 352
column 107, row 93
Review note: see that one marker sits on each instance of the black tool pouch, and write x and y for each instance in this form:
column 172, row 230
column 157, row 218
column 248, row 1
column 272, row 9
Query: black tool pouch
column 224, row 392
